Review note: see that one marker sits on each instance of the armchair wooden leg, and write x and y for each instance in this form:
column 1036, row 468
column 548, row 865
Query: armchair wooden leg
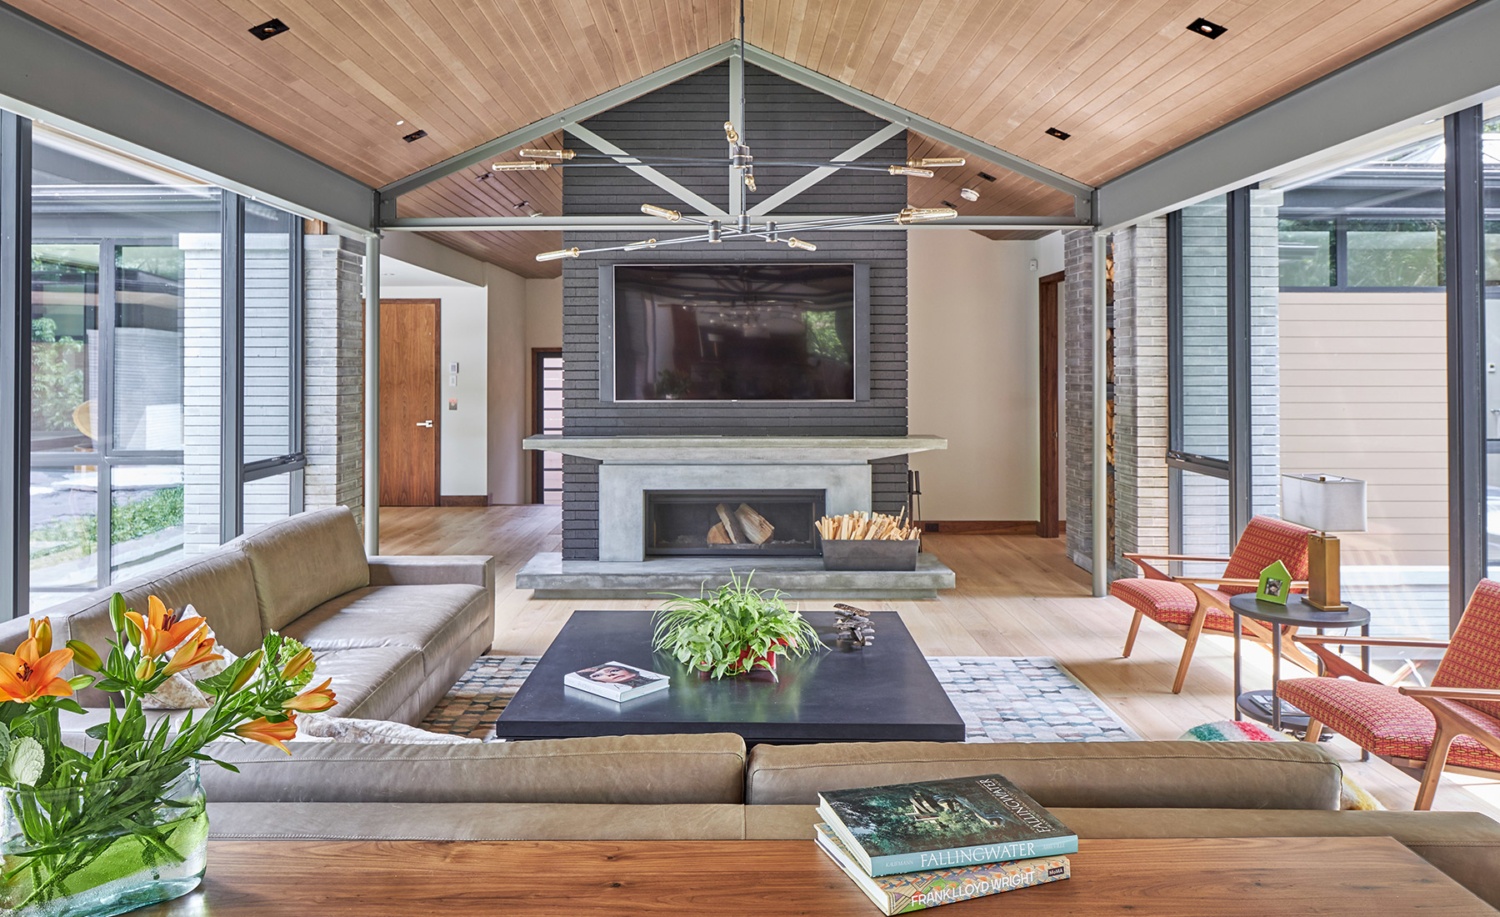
column 1194, row 630
column 1135, row 628
column 1436, row 758
column 1314, row 731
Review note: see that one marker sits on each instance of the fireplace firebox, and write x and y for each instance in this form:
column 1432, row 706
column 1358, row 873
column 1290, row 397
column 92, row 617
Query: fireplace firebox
column 716, row 522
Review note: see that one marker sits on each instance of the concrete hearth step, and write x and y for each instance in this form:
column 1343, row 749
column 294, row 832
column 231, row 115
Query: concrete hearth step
column 551, row 577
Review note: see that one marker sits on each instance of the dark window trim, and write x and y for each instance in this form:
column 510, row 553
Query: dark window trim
column 15, row 362
column 538, row 357
column 1463, row 196
column 232, row 368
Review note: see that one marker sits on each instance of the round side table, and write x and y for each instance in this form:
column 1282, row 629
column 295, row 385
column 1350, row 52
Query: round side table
column 1295, row 613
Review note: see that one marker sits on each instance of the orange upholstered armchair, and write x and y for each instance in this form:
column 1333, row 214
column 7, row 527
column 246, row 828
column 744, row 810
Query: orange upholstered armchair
column 1454, row 724
column 1189, row 605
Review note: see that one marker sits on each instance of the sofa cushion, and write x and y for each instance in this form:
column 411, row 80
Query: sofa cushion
column 510, row 821
column 1230, row 775
column 302, row 562
column 618, row 769
column 219, row 586
column 371, row 681
column 435, row 620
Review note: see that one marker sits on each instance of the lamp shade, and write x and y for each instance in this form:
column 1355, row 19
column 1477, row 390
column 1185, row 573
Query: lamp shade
column 1323, row 502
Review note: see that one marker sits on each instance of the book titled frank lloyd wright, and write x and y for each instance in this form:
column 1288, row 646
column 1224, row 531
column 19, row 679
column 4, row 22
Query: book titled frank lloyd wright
column 914, row 891
column 942, row 824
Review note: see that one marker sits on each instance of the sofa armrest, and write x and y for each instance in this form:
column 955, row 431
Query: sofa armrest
column 431, row 570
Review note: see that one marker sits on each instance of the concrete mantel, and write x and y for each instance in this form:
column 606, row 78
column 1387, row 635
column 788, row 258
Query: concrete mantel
column 735, row 450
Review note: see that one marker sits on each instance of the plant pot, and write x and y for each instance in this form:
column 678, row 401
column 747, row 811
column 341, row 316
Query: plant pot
column 848, row 554
column 56, row 866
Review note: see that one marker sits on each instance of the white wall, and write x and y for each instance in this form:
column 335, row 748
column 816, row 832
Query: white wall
column 509, row 372
column 464, row 443
column 973, row 366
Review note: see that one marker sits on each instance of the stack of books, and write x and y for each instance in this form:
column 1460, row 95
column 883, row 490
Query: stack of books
column 911, row 846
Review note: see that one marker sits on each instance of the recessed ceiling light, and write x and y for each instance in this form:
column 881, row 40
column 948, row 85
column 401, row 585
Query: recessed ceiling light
column 1205, row 28
column 269, row 29
column 1059, row 134
column 484, row 176
column 987, row 176
column 414, row 136
column 400, row 122
column 950, row 205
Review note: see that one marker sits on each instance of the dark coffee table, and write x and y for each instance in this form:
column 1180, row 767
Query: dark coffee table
column 882, row 693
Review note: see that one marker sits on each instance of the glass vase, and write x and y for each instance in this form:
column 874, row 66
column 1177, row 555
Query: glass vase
column 58, row 863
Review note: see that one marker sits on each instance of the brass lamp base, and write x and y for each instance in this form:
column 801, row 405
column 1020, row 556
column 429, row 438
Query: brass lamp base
column 1323, row 572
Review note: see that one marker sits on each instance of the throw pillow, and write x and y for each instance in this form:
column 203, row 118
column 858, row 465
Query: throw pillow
column 180, row 692
column 1352, row 796
column 371, row 732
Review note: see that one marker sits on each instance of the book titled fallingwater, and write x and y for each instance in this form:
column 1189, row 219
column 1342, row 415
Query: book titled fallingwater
column 941, row 824
column 914, row 891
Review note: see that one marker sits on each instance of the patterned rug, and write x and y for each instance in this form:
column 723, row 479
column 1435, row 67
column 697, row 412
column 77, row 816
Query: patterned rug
column 1001, row 699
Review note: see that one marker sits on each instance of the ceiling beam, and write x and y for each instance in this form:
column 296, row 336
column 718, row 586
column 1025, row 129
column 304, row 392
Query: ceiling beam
column 880, row 108
column 822, row 172
column 648, row 224
column 673, row 187
column 51, row 77
column 537, row 129
column 1442, row 68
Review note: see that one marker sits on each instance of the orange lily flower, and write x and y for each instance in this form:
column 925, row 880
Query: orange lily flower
column 198, row 649
column 161, row 629
column 269, row 733
column 30, row 674
column 315, row 700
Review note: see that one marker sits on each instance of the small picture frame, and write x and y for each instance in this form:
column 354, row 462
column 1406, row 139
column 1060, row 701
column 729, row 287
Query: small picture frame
column 1275, row 584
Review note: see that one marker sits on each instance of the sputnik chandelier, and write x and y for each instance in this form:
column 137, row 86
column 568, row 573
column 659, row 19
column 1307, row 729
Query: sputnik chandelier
column 742, row 226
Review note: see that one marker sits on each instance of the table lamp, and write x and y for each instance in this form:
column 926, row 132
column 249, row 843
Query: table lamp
column 1325, row 503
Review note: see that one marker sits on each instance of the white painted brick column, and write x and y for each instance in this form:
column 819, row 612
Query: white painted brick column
column 1141, row 491
column 202, row 348
column 333, row 354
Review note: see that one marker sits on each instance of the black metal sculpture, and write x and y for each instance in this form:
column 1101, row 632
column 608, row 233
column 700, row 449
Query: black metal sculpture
column 854, row 626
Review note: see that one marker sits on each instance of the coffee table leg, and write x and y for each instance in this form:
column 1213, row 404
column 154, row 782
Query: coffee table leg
column 1276, row 677
column 1236, row 698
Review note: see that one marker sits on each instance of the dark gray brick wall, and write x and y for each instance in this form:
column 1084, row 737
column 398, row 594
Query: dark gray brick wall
column 783, row 120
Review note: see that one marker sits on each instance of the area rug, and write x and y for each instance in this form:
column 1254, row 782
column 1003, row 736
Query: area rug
column 1001, row 699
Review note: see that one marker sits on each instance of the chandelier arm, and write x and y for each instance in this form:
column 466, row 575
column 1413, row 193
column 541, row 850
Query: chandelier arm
column 838, row 222
column 862, row 167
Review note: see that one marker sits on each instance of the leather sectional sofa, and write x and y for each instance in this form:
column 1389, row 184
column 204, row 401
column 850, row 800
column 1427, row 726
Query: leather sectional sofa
column 394, row 633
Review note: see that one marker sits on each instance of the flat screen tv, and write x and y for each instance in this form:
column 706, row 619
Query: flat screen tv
column 734, row 332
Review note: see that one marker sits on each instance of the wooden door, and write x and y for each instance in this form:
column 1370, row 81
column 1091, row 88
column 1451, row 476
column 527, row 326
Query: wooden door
column 1047, row 525
column 410, row 370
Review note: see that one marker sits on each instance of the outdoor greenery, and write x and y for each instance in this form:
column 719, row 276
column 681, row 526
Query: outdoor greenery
column 823, row 336
column 78, row 536
column 732, row 630
column 56, row 377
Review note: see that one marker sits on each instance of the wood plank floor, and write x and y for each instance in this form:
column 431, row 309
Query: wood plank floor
column 1017, row 596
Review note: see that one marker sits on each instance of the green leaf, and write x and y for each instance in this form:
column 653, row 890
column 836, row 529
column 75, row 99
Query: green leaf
column 27, row 761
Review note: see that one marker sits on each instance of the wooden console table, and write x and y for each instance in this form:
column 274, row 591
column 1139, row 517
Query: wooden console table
column 1163, row 877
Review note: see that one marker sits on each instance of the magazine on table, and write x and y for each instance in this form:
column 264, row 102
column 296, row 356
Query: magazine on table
column 617, row 681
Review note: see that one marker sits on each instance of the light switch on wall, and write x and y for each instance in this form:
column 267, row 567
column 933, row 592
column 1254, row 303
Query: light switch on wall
column 453, row 367
column 453, row 381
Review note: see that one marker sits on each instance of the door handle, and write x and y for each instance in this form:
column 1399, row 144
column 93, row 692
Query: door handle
column 425, row 423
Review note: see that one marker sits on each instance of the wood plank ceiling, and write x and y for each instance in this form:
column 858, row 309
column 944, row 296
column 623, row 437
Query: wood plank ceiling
column 1125, row 78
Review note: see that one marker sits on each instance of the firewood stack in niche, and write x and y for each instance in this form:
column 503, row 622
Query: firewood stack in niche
column 742, row 526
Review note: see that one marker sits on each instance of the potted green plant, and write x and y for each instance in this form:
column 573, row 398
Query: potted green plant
column 732, row 630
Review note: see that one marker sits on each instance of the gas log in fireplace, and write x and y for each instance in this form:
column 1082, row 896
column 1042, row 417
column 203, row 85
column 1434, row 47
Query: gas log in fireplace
column 714, row 522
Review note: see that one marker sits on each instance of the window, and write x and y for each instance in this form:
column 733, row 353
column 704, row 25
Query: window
column 128, row 350
column 125, row 278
